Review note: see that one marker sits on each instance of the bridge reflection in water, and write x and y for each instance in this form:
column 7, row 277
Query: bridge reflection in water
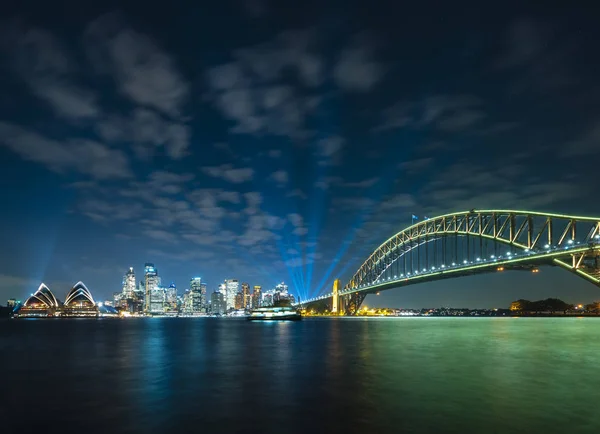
column 471, row 242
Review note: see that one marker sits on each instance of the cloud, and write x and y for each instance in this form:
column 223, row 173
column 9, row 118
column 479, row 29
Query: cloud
column 229, row 173
column 328, row 150
column 275, row 153
column 161, row 235
column 143, row 71
column 75, row 155
column 297, row 193
column 356, row 71
column 297, row 221
column 366, row 183
column 539, row 54
column 415, row 166
column 446, row 113
column 587, row 144
column 254, row 92
column 43, row 64
column 280, row 176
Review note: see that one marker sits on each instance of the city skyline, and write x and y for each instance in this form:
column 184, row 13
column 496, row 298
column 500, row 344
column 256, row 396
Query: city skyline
column 258, row 141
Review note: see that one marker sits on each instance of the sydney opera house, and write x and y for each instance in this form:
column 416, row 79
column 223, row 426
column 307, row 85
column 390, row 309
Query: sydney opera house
column 43, row 303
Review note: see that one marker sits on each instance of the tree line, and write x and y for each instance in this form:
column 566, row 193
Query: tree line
column 552, row 305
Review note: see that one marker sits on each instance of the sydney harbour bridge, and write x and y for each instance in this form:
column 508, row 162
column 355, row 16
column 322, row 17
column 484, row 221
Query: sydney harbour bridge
column 468, row 243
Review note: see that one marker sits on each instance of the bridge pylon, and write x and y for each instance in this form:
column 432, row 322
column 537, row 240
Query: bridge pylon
column 336, row 306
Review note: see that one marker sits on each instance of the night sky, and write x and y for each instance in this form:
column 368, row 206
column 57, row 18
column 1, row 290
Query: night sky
column 263, row 142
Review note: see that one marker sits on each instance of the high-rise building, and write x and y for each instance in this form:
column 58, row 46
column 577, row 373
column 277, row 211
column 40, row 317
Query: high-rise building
column 157, row 300
column 256, row 296
column 171, row 298
column 239, row 300
column 204, row 301
column 246, row 295
column 151, row 284
column 129, row 284
column 231, row 289
column 218, row 305
column 197, row 301
column 280, row 292
column 186, row 304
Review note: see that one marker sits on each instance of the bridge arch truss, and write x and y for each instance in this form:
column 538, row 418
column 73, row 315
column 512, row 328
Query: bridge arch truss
column 473, row 242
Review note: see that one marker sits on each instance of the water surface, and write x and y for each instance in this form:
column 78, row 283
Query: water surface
column 411, row 375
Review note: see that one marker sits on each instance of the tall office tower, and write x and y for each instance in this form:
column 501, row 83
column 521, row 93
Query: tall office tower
column 129, row 284
column 218, row 305
column 246, row 293
column 239, row 301
column 204, row 299
column 256, row 297
column 232, row 288
column 171, row 298
column 186, row 304
column 151, row 283
column 157, row 300
column 196, row 294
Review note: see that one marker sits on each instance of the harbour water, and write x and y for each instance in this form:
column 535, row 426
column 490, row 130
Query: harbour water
column 410, row 375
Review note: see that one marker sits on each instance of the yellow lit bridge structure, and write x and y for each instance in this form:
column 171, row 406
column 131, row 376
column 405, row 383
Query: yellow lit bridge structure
column 467, row 243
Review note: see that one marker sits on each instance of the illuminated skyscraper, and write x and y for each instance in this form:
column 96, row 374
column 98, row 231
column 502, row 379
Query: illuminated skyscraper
column 157, row 300
column 218, row 305
column 151, row 283
column 246, row 304
column 256, row 297
column 232, row 288
column 196, row 297
column 129, row 284
column 171, row 298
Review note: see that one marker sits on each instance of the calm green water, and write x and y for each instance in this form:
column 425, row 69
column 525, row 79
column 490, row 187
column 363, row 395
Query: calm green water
column 414, row 375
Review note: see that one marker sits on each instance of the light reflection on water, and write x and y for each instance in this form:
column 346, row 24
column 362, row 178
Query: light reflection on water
column 228, row 375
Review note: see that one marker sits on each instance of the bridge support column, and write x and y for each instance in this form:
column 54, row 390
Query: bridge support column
column 335, row 305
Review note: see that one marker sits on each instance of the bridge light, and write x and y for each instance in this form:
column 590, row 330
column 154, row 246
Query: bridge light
column 402, row 275
column 424, row 270
column 527, row 250
column 454, row 264
column 596, row 237
column 395, row 277
column 464, row 261
column 433, row 268
column 443, row 266
column 493, row 256
column 571, row 241
column 478, row 259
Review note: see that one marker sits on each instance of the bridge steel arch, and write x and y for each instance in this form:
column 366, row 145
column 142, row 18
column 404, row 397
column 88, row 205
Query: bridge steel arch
column 472, row 242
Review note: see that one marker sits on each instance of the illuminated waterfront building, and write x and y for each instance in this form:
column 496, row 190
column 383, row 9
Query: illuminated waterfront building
column 157, row 300
column 12, row 303
column 247, row 303
column 218, row 305
column 196, row 298
column 256, row 296
column 79, row 302
column 129, row 284
column 171, row 298
column 204, row 302
column 151, row 281
column 231, row 290
column 41, row 303
column 239, row 301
